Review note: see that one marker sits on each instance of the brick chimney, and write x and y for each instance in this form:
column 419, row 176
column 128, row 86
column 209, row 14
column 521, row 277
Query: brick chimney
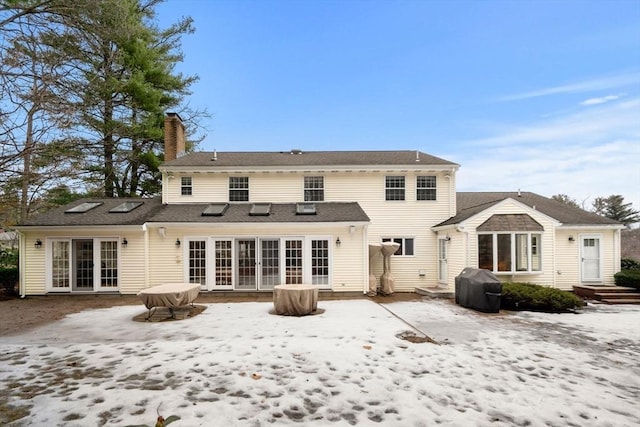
column 173, row 137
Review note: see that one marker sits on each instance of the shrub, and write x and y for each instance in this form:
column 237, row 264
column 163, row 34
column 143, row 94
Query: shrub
column 8, row 280
column 528, row 296
column 8, row 257
column 629, row 278
column 629, row 264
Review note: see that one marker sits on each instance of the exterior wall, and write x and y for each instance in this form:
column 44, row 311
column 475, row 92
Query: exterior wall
column 568, row 256
column 130, row 258
column 409, row 218
column 546, row 276
column 347, row 262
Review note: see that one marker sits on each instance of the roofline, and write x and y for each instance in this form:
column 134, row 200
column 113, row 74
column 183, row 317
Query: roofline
column 311, row 168
column 587, row 226
column 78, row 227
column 191, row 224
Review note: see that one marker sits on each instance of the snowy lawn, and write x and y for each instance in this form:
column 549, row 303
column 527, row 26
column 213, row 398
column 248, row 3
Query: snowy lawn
column 236, row 364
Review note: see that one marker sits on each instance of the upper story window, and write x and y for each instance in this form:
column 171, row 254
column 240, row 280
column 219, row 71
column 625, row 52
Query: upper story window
column 186, row 189
column 238, row 188
column 509, row 252
column 406, row 245
column 394, row 187
column 313, row 188
column 426, row 188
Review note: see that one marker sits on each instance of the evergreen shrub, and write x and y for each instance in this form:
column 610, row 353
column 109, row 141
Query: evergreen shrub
column 528, row 296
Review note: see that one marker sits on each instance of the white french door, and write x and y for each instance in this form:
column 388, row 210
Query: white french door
column 257, row 263
column 590, row 265
column 82, row 265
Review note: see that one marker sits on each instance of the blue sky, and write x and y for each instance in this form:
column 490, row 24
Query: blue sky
column 541, row 96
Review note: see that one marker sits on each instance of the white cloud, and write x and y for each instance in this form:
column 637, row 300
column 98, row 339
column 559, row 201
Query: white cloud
column 602, row 83
column 601, row 100
column 595, row 152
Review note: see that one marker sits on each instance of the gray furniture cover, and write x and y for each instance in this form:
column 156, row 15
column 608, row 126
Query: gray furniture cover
column 478, row 289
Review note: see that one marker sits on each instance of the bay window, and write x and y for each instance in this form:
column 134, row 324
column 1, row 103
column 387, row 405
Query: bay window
column 509, row 252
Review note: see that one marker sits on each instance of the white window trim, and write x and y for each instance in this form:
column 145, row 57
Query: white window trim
column 382, row 239
column 513, row 270
column 404, row 188
column 248, row 189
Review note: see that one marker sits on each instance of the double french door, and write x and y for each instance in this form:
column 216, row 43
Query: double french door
column 250, row 264
column 82, row 265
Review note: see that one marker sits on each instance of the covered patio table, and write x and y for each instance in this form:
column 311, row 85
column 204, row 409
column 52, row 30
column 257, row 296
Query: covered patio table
column 170, row 295
column 295, row 300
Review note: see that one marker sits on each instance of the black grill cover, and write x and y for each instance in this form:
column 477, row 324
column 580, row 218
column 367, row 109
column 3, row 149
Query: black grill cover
column 478, row 289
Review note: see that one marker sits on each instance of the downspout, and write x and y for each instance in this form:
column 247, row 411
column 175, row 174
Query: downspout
column 22, row 251
column 365, row 254
column 145, row 238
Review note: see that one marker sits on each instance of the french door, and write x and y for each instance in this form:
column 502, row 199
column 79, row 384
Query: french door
column 82, row 265
column 257, row 263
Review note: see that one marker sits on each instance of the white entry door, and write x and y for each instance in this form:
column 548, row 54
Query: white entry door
column 590, row 259
column 442, row 261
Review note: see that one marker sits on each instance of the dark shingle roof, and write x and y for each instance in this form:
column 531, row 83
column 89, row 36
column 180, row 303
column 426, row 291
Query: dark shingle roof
column 510, row 222
column 307, row 158
column 279, row 213
column 99, row 215
column 472, row 203
column 152, row 210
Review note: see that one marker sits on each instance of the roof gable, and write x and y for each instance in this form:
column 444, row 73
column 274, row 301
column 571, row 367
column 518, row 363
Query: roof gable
column 470, row 204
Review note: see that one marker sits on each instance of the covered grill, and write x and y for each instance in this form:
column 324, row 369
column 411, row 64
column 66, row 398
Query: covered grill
column 478, row 289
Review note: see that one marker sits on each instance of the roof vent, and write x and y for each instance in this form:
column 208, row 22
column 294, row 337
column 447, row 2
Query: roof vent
column 215, row 155
column 417, row 156
column 296, row 151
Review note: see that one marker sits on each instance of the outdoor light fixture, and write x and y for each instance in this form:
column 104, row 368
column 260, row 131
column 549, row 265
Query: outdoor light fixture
column 124, row 242
column 338, row 242
column 38, row 244
column 177, row 243
column 571, row 239
column 447, row 238
column 352, row 229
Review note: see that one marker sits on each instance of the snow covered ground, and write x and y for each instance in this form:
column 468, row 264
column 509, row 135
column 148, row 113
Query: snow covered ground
column 236, row 364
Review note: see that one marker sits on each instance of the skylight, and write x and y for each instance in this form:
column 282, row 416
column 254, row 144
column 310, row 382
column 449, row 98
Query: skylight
column 83, row 207
column 215, row 209
column 126, row 207
column 260, row 209
column 305, row 208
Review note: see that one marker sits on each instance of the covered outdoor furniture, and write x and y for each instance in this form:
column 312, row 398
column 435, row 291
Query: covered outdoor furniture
column 295, row 300
column 478, row 289
column 170, row 295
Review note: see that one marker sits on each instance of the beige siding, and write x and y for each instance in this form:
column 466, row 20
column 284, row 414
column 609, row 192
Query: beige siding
column 409, row 218
column 547, row 275
column 130, row 258
column 167, row 263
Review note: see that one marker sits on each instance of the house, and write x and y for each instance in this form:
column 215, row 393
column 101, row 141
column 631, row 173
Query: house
column 247, row 221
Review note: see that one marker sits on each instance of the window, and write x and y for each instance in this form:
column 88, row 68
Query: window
column 509, row 252
column 109, row 264
column 198, row 262
column 313, row 188
column 238, row 188
column 426, row 188
column 320, row 262
column 305, row 208
column 126, row 207
column 185, row 188
column 406, row 245
column 83, row 207
column 293, row 262
column 394, row 188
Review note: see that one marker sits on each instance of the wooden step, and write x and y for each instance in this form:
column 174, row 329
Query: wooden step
column 621, row 301
column 588, row 291
column 617, row 295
